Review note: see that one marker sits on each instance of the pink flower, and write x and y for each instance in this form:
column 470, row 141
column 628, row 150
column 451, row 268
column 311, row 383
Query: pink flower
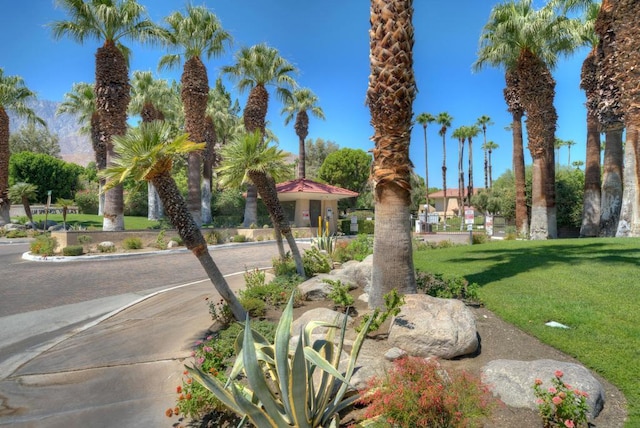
column 557, row 400
column 538, row 381
column 552, row 390
column 569, row 423
column 559, row 373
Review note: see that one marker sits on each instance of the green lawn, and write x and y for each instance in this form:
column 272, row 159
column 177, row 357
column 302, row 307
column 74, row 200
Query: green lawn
column 591, row 285
column 94, row 222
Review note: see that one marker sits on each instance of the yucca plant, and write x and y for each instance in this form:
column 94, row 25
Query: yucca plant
column 284, row 389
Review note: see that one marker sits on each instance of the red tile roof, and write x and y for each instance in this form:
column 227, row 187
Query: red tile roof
column 303, row 185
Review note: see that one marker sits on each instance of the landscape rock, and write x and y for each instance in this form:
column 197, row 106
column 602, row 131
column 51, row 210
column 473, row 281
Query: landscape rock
column 431, row 327
column 394, row 354
column 173, row 244
column 13, row 226
column 319, row 314
column 106, row 245
column 359, row 272
column 513, row 381
column 316, row 289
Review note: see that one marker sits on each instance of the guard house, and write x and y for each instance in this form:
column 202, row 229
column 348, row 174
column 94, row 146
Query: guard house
column 304, row 201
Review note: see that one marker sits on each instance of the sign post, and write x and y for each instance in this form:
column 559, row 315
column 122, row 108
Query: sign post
column 46, row 211
column 468, row 220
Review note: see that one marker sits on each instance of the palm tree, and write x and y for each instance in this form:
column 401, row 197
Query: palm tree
column 527, row 43
column 147, row 97
column 472, row 132
column 146, row 153
column 255, row 68
column 444, row 120
column 489, row 147
column 65, row 204
column 301, row 101
column 425, row 119
column 460, row 134
column 14, row 96
column 81, row 101
column 109, row 21
column 557, row 145
column 626, row 57
column 610, row 116
column 249, row 159
column 569, row 144
column 196, row 34
column 484, row 121
column 24, row 193
column 390, row 96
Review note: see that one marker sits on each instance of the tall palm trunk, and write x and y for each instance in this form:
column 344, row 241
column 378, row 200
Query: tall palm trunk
column 150, row 113
column 486, row 157
column 489, row 169
column 610, row 117
column 254, row 117
column 195, row 92
column 267, row 190
column 426, row 165
column 514, row 104
column 302, row 130
column 470, row 183
column 112, row 99
column 207, row 170
column 537, row 91
column 591, row 202
column 390, row 98
column 5, row 153
column 100, row 152
column 190, row 233
column 627, row 15
column 461, row 181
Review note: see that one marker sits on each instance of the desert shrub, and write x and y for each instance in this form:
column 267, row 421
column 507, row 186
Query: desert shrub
column 276, row 293
column 356, row 249
column 132, row 243
column 136, row 203
column 339, row 294
column 16, row 234
column 85, row 239
column 254, row 278
column 161, row 241
column 256, row 308
column 239, row 238
column 437, row 285
column 214, row 237
column 72, row 250
column 87, row 201
column 284, row 267
column 479, row 238
column 44, row 245
column 315, row 261
column 418, row 393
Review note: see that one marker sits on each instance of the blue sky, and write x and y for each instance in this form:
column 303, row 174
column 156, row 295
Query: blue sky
column 328, row 41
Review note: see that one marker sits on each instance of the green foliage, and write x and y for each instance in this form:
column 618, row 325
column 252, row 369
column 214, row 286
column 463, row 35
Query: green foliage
column 73, row 250
column 315, row 154
column 325, row 241
column 393, row 301
column 44, row 245
column 12, row 234
column 220, row 311
column 239, row 238
column 569, row 195
column 85, row 239
column 339, row 294
column 279, row 389
column 161, row 240
column 227, row 208
column 479, row 238
column 276, row 292
column 136, row 202
column 256, row 308
column 132, row 243
column 356, row 249
column 315, row 261
column 284, row 267
column 254, row 278
column 437, row 285
column 22, row 190
column 87, row 201
column 561, row 406
column 346, row 168
column 46, row 173
column 214, row 237
column 417, row 392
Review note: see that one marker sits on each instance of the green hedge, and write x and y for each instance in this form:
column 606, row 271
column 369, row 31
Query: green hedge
column 72, row 250
column 364, row 226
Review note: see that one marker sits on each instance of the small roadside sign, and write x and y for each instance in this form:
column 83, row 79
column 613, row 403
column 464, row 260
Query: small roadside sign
column 468, row 216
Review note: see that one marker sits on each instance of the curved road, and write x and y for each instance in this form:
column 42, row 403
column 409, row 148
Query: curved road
column 41, row 301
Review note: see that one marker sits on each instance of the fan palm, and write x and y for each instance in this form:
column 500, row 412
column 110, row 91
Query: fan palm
column 147, row 97
column 301, row 101
column 472, row 132
column 460, row 134
column 390, row 96
column 248, row 159
column 146, row 153
column 528, row 43
column 23, row 193
column 444, row 119
column 109, row 21
column 14, row 96
column 489, row 147
column 196, row 34
column 255, row 68
column 425, row 119
column 484, row 121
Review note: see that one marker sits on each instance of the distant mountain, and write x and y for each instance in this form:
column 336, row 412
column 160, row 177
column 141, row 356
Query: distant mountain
column 74, row 146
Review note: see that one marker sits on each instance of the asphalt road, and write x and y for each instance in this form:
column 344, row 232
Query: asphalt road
column 42, row 301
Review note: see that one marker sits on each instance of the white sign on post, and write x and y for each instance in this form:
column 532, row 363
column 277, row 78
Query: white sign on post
column 468, row 216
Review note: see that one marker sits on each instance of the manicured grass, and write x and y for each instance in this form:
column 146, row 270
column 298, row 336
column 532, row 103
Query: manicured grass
column 591, row 285
column 94, row 222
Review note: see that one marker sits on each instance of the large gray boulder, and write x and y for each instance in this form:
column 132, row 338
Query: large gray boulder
column 316, row 288
column 431, row 327
column 359, row 272
column 513, row 381
column 318, row 314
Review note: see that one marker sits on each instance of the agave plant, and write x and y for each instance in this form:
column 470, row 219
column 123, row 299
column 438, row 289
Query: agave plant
column 303, row 388
column 324, row 241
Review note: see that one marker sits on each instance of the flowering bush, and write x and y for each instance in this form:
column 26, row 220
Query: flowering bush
column 418, row 393
column 560, row 405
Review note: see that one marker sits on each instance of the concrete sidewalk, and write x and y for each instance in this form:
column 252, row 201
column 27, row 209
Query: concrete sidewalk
column 118, row 371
